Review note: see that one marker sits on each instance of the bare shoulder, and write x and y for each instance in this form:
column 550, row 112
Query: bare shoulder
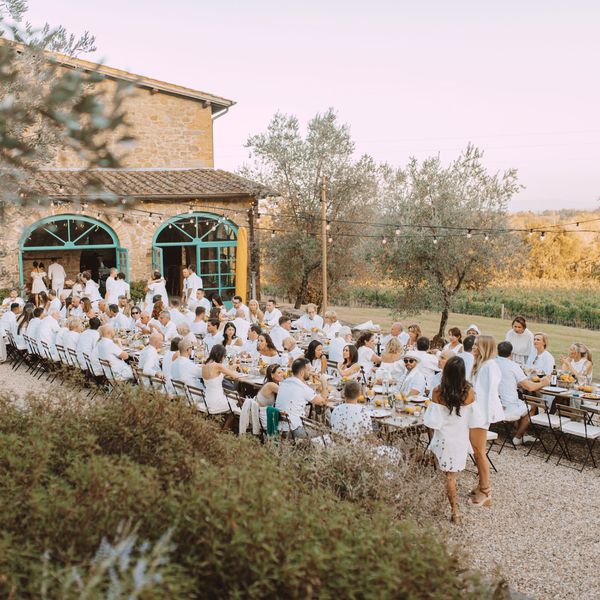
column 470, row 397
column 436, row 395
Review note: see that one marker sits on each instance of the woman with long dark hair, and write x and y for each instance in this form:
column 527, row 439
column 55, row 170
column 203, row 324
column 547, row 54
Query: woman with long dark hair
column 230, row 338
column 266, row 349
column 449, row 414
column 213, row 372
column 22, row 323
column 318, row 360
column 349, row 366
column 455, row 343
column 366, row 351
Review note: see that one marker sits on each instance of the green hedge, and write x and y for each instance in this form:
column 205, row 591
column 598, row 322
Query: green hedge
column 246, row 524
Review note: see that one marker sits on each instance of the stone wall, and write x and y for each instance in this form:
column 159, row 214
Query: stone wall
column 171, row 132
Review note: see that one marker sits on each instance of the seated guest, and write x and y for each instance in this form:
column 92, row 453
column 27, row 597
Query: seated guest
column 166, row 326
column 310, row 321
column 184, row 332
column 213, row 335
column 391, row 359
column 349, row 365
column 332, row 325
column 249, row 346
column 281, row 331
column 473, row 330
column 71, row 338
column 55, row 303
column 76, row 309
column 23, row 325
column 218, row 308
column 268, row 392
column 314, row 354
column 540, row 359
column 231, row 341
column 513, row 378
column 578, row 362
column 184, row 368
column 176, row 312
column 60, row 334
column 266, row 350
column 444, row 357
column 116, row 319
column 114, row 354
column 32, row 328
column 337, row 344
column 91, row 288
column 413, row 382
column 521, row 339
column 366, row 353
column 291, row 352
column 143, row 323
column 87, row 341
column 198, row 326
column 149, row 360
column 467, row 355
column 213, row 372
column 414, row 333
column 8, row 321
column 46, row 333
column 171, row 355
column 238, row 304
column 351, row 419
column 88, row 309
column 13, row 297
column 428, row 364
column 293, row 396
column 396, row 331
column 242, row 325
column 200, row 301
column 65, row 302
column 272, row 314
column 134, row 319
column 256, row 315
column 455, row 343
column 123, row 304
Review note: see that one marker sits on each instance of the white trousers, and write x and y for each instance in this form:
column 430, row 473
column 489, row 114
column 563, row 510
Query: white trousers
column 58, row 286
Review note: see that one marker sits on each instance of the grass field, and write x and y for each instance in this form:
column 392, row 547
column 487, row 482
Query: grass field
column 561, row 337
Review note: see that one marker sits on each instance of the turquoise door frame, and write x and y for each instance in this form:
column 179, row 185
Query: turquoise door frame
column 73, row 241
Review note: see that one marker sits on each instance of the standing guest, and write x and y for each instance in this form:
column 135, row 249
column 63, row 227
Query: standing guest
column 156, row 286
column 272, row 314
column 467, row 355
column 114, row 354
column 57, row 275
column 579, row 361
column 116, row 319
column 78, row 286
column 540, row 359
column 293, row 396
column 337, row 344
column 310, row 321
column 191, row 284
column 8, row 321
column 413, row 383
column 213, row 335
column 391, row 359
column 118, row 288
column 449, row 415
column 242, row 325
column 256, row 315
column 198, row 326
column 332, row 325
column 351, row 419
column 46, row 333
column 281, row 331
column 213, row 372
column 200, row 300
column 397, row 331
column 149, row 360
column 414, row 333
column 184, row 368
column 250, row 345
column 429, row 362
column 513, row 378
column 366, row 351
column 91, row 289
column 238, row 304
column 349, row 365
column 455, row 343
column 13, row 296
column 110, row 283
column 231, row 341
column 314, row 354
column 266, row 350
column 473, row 330
column 37, row 281
column 487, row 409
column 521, row 339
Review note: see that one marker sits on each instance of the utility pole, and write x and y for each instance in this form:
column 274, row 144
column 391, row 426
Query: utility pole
column 324, row 241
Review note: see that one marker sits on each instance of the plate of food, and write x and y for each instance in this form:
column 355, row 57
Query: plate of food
column 380, row 413
column 590, row 396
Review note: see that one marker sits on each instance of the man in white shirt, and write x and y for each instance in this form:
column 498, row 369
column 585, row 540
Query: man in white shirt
column 337, row 344
column 199, row 300
column 166, row 326
column 272, row 314
column 117, row 320
column 467, row 355
column 177, row 316
column 241, row 325
column 87, row 341
column 513, row 378
column 91, row 290
column 191, row 284
column 8, row 321
column 118, row 288
column 149, row 360
column 57, row 275
column 280, row 332
column 291, row 352
column 293, row 396
column 310, row 320
column 13, row 297
column 143, row 323
column 213, row 335
column 428, row 363
column 184, row 369
column 76, row 308
column 413, row 382
column 351, row 419
column 34, row 324
column 249, row 346
column 114, row 354
column 397, row 331
column 46, row 334
column 109, row 284
column 55, row 303
column 238, row 304
column 198, row 326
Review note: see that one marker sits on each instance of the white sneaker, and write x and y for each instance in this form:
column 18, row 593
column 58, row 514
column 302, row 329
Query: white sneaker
column 528, row 439
column 517, row 441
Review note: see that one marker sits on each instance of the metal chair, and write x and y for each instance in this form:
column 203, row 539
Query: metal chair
column 574, row 425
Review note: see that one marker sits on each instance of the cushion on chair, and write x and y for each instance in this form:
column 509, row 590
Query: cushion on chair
column 543, row 420
column 577, row 428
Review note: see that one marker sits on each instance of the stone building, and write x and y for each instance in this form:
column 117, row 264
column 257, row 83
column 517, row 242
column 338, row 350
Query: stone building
column 167, row 207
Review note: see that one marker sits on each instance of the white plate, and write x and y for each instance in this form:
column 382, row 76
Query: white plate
column 416, row 399
column 554, row 389
column 379, row 413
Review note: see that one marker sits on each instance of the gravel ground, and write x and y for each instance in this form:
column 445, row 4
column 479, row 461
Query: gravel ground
column 541, row 533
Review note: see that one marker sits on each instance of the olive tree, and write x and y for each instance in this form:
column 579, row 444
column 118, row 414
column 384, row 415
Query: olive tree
column 445, row 229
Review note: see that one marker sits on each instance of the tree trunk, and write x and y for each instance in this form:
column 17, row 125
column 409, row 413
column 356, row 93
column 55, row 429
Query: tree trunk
column 439, row 337
column 302, row 290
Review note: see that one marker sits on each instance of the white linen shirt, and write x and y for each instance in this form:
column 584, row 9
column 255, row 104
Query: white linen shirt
column 184, row 369
column 305, row 322
column 292, row 398
column 272, row 318
column 85, row 344
column 149, row 361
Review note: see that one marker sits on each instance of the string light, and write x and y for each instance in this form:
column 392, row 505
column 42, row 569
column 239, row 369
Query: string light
column 328, row 226
column 330, row 239
column 273, row 233
column 469, row 234
column 486, row 237
column 384, row 241
column 435, row 240
column 542, row 236
column 397, row 232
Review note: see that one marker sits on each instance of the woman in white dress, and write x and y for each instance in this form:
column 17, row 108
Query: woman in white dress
column 156, row 286
column 455, row 343
column 349, row 367
column 266, row 349
column 579, row 362
column 449, row 414
column 314, row 353
column 213, row 372
column 257, row 316
column 366, row 352
column 414, row 333
column 391, row 359
column 78, row 287
column 540, row 359
column 487, row 409
column 521, row 339
column 268, row 392
column 37, row 281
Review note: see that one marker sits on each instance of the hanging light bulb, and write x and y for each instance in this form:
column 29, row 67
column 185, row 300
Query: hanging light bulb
column 273, row 233
column 330, row 239
column 531, row 232
column 435, row 240
column 542, row 236
column 397, row 232
column 384, row 241
column 469, row 234
column 577, row 225
column 170, row 225
column 486, row 237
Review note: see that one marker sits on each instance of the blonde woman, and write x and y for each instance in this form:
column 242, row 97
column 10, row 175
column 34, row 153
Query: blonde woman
column 414, row 333
column 579, row 361
column 391, row 359
column 257, row 317
column 540, row 359
column 487, row 409
column 332, row 325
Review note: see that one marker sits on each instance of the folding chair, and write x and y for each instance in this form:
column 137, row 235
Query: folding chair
column 319, row 433
column 574, row 424
column 332, row 368
column 96, row 381
column 113, row 384
column 506, row 428
column 140, row 377
column 20, row 356
column 197, row 398
column 62, row 354
column 159, row 384
column 179, row 389
column 51, row 364
column 72, row 358
column 538, row 422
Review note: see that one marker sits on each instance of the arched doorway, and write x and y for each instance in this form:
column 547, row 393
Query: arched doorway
column 78, row 242
column 202, row 239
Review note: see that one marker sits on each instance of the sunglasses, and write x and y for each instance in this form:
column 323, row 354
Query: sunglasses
column 409, row 360
column 135, row 312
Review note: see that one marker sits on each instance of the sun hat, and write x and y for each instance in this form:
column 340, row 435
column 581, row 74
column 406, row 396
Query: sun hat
column 475, row 328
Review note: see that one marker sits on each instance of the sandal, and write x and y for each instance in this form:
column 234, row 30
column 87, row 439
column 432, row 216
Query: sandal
column 486, row 499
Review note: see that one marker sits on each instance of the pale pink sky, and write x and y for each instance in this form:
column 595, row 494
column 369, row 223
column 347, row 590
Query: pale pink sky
column 518, row 78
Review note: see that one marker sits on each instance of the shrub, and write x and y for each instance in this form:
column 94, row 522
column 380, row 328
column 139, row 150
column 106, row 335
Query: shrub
column 245, row 521
column 137, row 290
